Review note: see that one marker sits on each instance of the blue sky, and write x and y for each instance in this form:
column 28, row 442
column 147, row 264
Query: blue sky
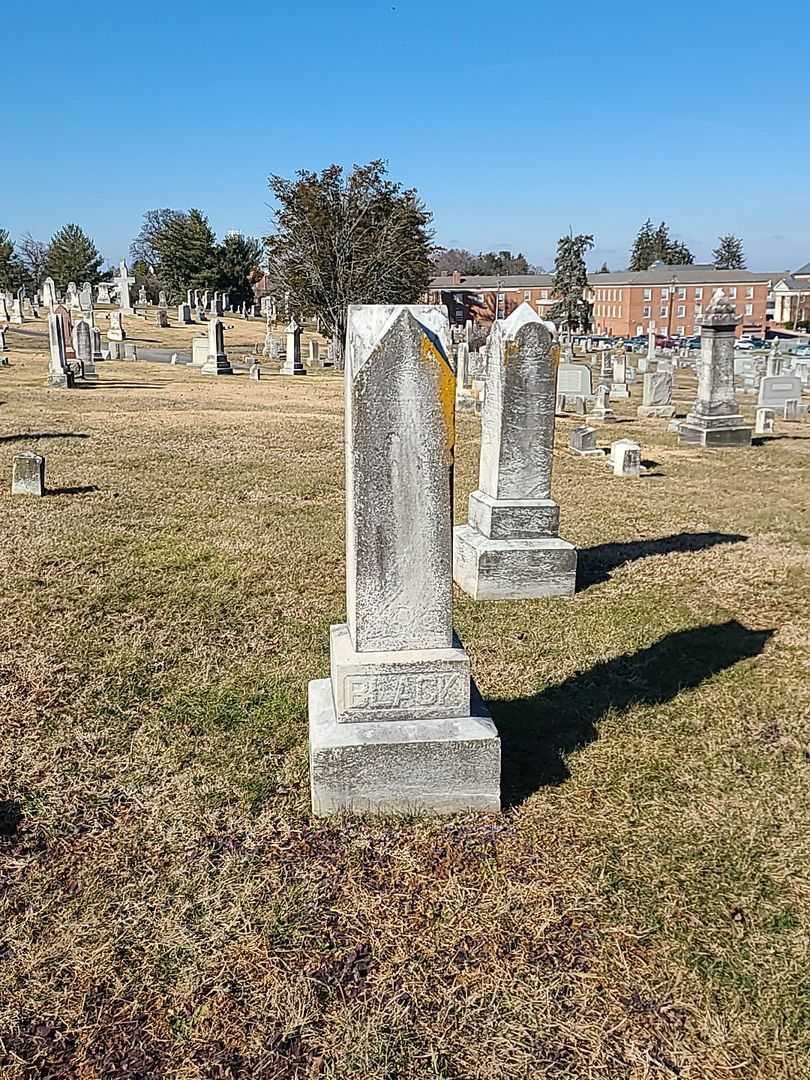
column 514, row 123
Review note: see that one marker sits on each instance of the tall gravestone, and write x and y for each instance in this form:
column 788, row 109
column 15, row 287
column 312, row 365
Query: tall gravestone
column 123, row 282
column 86, row 296
column 16, row 312
column 511, row 549
column 184, row 314
column 216, row 362
column 116, row 331
column 83, row 346
column 60, row 377
column 292, row 360
column 49, row 293
column 103, row 293
column 62, row 313
column 398, row 726
column 3, row 309
column 657, row 395
column 715, row 419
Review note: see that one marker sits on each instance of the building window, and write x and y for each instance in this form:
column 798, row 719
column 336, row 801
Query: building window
column 665, row 291
column 698, row 309
column 696, row 329
column 682, row 293
column 620, row 294
column 527, row 294
column 699, row 294
column 749, row 309
column 646, row 311
column 648, row 294
column 749, row 292
column 681, row 331
column 732, row 292
column 662, row 311
column 544, row 294
column 620, row 307
column 681, row 310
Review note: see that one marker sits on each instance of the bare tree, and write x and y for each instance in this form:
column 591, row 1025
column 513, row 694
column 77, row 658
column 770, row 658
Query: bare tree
column 34, row 257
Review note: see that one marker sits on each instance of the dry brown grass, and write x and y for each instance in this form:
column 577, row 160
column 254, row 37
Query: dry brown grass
column 169, row 909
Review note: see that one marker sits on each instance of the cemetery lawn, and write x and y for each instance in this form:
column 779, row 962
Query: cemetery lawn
column 168, row 907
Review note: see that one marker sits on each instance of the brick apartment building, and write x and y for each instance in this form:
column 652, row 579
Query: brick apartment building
column 671, row 299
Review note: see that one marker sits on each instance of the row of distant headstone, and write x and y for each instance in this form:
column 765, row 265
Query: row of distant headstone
column 715, row 419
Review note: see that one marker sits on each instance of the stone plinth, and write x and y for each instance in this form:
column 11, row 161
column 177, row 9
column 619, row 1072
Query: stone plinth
column 293, row 364
column 216, row 362
column 397, row 726
column 715, row 419
column 444, row 766
column 510, row 549
column 28, row 474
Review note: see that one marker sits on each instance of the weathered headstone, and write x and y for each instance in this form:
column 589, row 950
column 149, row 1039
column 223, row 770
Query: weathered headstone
column 715, row 419
column 86, row 296
column 95, row 338
column 582, row 442
column 292, row 361
column 314, row 353
column 116, row 331
column 625, row 458
column 60, row 377
column 28, row 474
column 63, row 315
column 16, row 312
column 72, row 297
column 511, row 548
column 123, row 282
column 103, row 293
column 142, row 297
column 657, row 395
column 601, row 410
column 48, row 293
column 255, row 371
column 574, row 379
column 775, row 390
column 764, row 422
column 3, row 309
column 161, row 318
column 216, row 363
column 199, row 351
column 2, row 339
column 83, row 346
column 398, row 726
column 619, row 387
column 184, row 314
column 794, row 410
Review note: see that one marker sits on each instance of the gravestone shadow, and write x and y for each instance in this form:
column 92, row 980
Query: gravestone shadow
column 763, row 440
column 82, row 489
column 595, row 564
column 538, row 732
column 44, row 435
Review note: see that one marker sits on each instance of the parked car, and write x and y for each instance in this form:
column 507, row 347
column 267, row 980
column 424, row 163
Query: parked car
column 758, row 342
column 746, row 346
column 691, row 342
column 801, row 352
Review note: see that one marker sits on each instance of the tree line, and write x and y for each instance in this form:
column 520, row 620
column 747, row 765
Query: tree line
column 336, row 240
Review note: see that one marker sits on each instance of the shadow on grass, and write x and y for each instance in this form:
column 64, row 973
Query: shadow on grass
column 763, row 440
column 10, row 816
column 84, row 489
column 44, row 435
column 539, row 731
column 595, row 564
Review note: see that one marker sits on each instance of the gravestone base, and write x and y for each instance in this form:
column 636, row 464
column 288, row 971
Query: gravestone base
column 586, row 453
column 619, row 391
column 603, row 416
column 65, row 381
column 409, row 685
column 216, row 365
column 698, row 431
column 663, row 412
column 292, row 369
column 512, row 569
column 500, row 519
column 443, row 766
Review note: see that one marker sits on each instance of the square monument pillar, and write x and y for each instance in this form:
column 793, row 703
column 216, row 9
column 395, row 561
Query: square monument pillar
column 511, row 549
column 399, row 726
column 715, row 419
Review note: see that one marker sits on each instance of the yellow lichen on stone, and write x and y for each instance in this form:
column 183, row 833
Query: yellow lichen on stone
column 447, row 388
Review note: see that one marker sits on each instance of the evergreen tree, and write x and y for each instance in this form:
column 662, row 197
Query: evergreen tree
column 643, row 254
column 11, row 269
column 653, row 244
column 729, row 255
column 362, row 239
column 501, row 263
column 181, row 249
column 570, row 282
column 238, row 265
column 72, row 256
